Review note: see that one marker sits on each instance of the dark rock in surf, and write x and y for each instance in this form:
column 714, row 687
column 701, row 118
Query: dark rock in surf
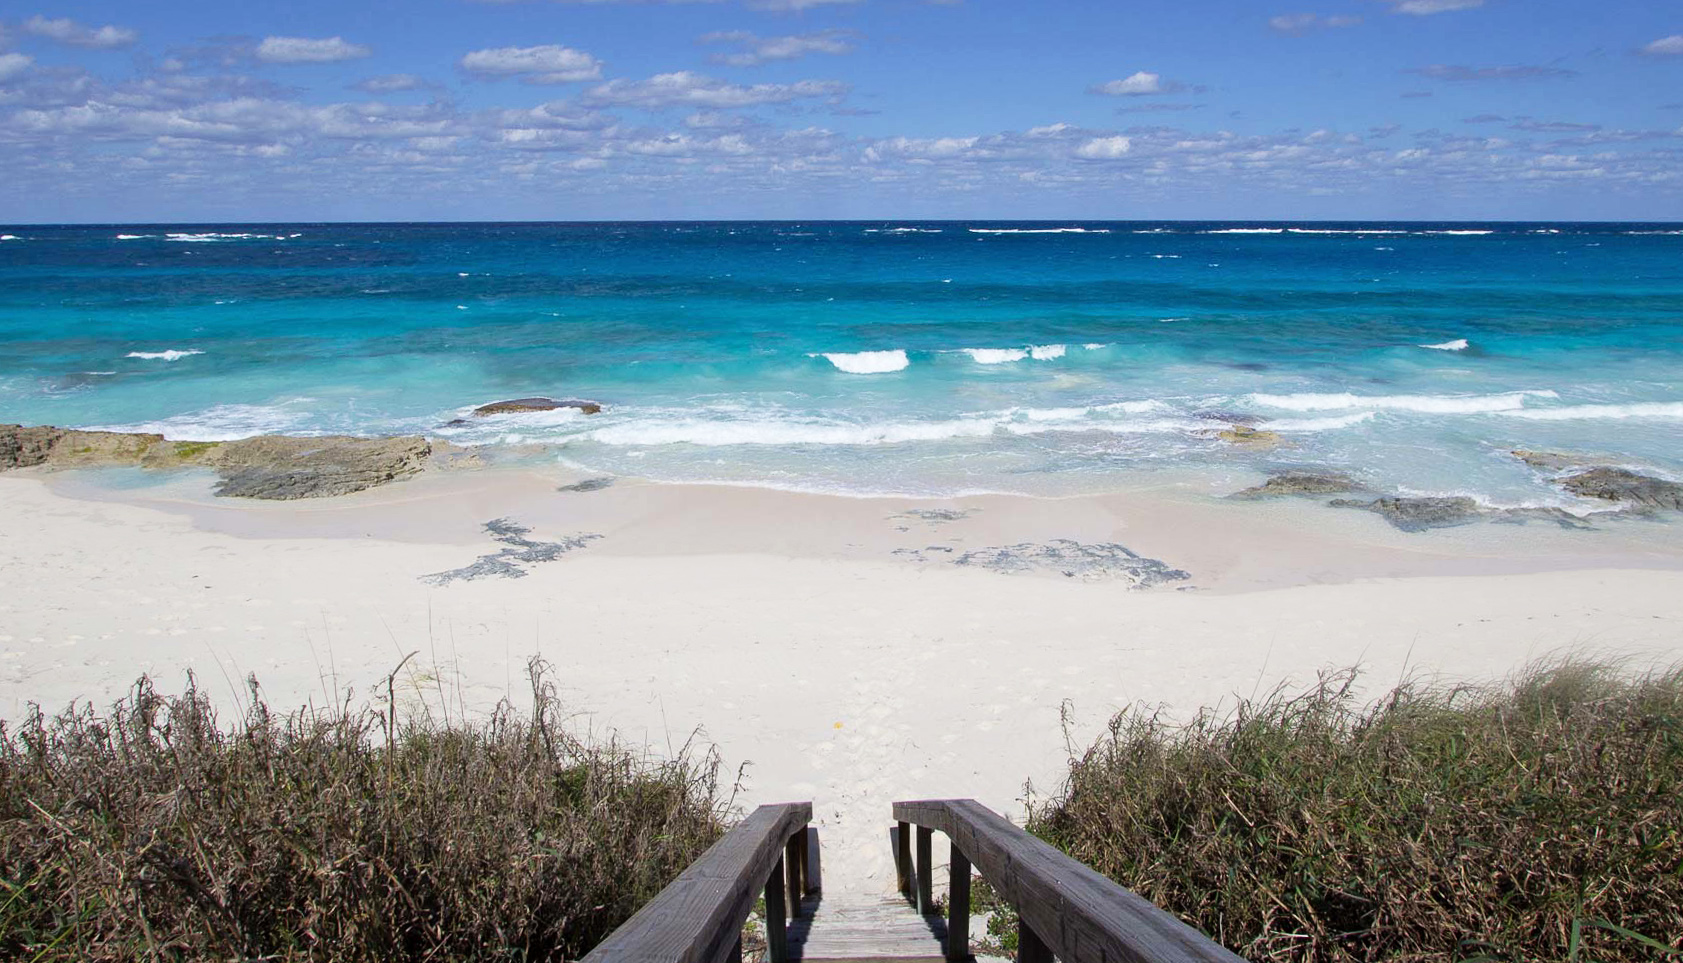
column 1418, row 514
column 523, row 405
column 1627, row 487
column 1302, row 483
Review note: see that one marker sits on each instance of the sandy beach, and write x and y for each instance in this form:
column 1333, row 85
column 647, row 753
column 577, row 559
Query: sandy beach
column 852, row 651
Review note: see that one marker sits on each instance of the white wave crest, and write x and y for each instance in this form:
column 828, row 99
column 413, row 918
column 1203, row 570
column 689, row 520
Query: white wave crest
column 1095, row 346
column 222, row 423
column 170, row 355
column 692, row 431
column 1651, row 409
column 1459, row 233
column 1039, row 230
column 1328, row 230
column 1426, row 404
column 995, row 355
column 1649, row 233
column 1047, row 352
column 1319, row 424
column 1246, row 230
column 1459, row 344
column 869, row 362
column 10, row 237
column 133, row 237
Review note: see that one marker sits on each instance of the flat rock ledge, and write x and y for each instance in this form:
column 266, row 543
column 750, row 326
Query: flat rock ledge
column 526, row 405
column 1412, row 514
column 1089, row 562
column 1633, row 490
column 516, row 555
column 1302, row 483
column 270, row 467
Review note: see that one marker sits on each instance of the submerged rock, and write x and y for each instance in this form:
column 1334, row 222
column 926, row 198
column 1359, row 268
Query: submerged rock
column 278, row 467
column 1553, row 460
column 588, row 485
column 1302, row 483
column 517, row 553
column 935, row 516
column 1418, row 514
column 520, row 405
column 1629, row 487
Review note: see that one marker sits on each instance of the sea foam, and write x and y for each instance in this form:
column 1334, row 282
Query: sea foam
column 1459, row 344
column 171, row 355
column 995, row 355
column 1047, row 352
column 1648, row 409
column 1426, row 404
column 869, row 362
column 1039, row 230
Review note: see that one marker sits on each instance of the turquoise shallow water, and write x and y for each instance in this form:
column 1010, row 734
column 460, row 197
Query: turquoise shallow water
column 877, row 357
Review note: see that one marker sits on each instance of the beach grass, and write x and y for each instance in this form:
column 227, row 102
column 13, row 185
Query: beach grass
column 1538, row 819
column 152, row 831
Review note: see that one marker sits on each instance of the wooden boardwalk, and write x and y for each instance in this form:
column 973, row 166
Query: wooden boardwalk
column 862, row 928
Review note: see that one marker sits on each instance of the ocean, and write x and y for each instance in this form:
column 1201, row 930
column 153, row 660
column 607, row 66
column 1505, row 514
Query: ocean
column 933, row 358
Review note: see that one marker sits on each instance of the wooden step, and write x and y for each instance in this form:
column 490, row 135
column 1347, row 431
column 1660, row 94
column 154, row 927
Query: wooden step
column 866, row 930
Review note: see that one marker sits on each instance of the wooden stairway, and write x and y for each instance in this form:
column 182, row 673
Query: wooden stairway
column 860, row 928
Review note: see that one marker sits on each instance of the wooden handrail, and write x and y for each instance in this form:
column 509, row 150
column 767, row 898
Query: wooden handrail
column 698, row 918
column 1065, row 907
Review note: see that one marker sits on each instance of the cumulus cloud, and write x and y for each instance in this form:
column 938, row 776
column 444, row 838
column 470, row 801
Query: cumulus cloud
column 687, row 89
column 1105, row 148
column 1298, row 24
column 309, row 50
column 1457, row 72
column 1422, row 8
column 548, row 64
column 13, row 65
column 754, row 50
column 68, row 31
column 1140, row 84
column 390, row 84
column 1671, row 46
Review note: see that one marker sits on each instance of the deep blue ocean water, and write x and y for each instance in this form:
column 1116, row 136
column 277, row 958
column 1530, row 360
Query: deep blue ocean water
column 877, row 357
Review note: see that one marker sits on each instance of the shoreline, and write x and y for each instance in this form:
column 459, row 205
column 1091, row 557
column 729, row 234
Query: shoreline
column 829, row 642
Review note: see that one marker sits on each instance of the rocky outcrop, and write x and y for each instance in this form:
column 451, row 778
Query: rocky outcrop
column 1626, row 487
column 521, row 405
column 1302, row 483
column 277, row 467
column 1418, row 514
column 1555, row 461
column 267, row 467
column 1248, row 437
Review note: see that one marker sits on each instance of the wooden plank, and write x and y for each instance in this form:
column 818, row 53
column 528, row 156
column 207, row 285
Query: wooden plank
column 925, row 871
column 863, row 928
column 958, row 907
column 699, row 917
column 793, row 887
column 777, row 920
column 1079, row 914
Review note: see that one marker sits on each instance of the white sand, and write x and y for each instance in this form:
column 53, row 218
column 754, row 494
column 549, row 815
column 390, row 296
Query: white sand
column 782, row 628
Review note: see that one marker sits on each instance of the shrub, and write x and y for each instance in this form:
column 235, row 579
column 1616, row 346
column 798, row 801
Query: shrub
column 152, row 832
column 1536, row 820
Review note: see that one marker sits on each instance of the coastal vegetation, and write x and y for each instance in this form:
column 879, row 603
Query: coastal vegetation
column 1533, row 820
column 153, row 831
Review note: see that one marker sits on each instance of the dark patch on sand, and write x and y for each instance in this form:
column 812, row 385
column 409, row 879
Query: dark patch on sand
column 511, row 561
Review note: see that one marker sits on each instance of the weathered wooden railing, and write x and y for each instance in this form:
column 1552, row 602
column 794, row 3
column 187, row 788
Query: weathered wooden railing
column 1063, row 907
column 699, row 917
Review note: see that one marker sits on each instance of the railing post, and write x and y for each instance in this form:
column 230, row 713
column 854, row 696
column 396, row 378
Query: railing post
column 902, row 833
column 777, row 936
column 1030, row 948
column 958, row 907
column 792, row 868
column 813, row 870
column 925, row 871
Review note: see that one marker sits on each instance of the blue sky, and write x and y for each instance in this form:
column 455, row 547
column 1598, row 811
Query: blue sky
column 537, row 109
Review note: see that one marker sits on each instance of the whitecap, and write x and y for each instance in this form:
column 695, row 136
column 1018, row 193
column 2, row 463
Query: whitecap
column 1047, row 352
column 1039, row 230
column 1459, row 233
column 995, row 355
column 1649, row 233
column 868, row 362
column 1648, row 409
column 1319, row 424
column 1094, row 346
column 1459, row 344
column 171, row 354
column 10, row 237
column 1425, row 404
column 1328, row 230
column 1246, row 230
column 133, row 237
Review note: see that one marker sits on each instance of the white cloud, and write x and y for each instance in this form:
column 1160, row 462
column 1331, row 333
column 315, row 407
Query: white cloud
column 1301, row 23
column 1665, row 46
column 1421, row 8
column 686, row 89
column 758, row 50
column 794, row 5
column 1140, row 84
column 66, row 30
column 548, row 64
column 309, row 50
column 1105, row 148
column 391, row 83
column 13, row 64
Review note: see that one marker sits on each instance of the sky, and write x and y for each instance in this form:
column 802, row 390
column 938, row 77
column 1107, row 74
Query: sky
column 240, row 110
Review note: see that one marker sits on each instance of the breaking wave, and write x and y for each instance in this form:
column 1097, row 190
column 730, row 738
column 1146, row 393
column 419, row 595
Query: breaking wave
column 869, row 362
column 170, row 355
column 1426, row 404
